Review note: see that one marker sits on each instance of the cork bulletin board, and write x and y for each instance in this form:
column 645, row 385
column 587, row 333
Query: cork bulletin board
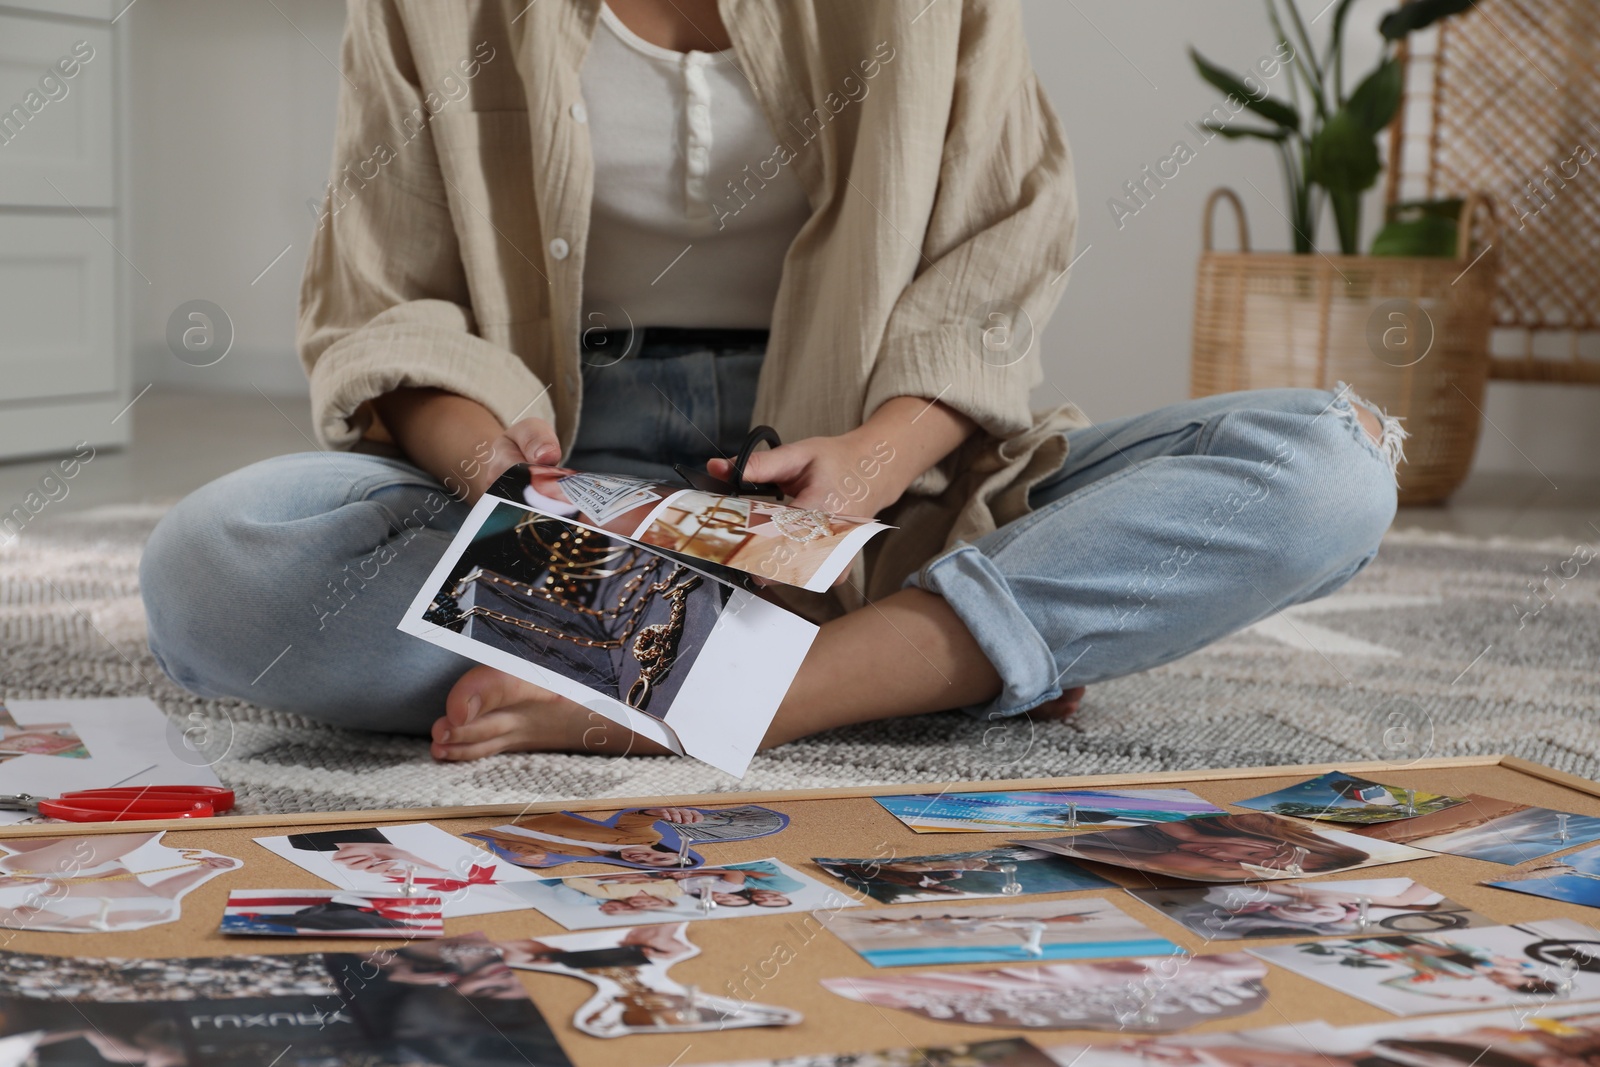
column 778, row 959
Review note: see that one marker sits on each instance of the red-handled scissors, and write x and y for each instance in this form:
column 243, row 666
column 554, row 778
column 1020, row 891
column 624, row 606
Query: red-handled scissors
column 126, row 803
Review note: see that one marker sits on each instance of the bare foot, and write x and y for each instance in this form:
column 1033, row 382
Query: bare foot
column 1061, row 707
column 489, row 711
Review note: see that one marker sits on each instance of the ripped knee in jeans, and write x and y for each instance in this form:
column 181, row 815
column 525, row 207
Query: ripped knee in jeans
column 1381, row 430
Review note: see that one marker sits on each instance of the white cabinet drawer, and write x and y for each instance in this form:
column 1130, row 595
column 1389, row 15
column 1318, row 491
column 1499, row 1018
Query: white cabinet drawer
column 56, row 129
column 84, row 9
column 57, row 308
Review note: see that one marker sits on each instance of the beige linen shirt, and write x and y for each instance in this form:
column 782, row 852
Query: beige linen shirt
column 450, row 250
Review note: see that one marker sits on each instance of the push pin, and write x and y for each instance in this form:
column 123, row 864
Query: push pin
column 707, row 901
column 683, row 852
column 1561, row 826
column 1564, row 981
column 1362, row 919
column 1012, row 887
column 1072, row 815
column 1293, row 866
column 410, row 885
column 1411, row 801
column 1147, row 1015
column 1034, row 946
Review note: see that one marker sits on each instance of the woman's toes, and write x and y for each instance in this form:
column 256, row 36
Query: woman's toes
column 480, row 689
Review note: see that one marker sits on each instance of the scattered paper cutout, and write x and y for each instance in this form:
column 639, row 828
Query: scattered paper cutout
column 469, row 880
column 1311, row 909
column 637, row 838
column 38, row 739
column 1006, row 1052
column 331, row 913
column 729, row 891
column 1464, row 970
column 101, row 883
column 953, row 875
column 1153, row 995
column 451, row 1001
column 1574, row 878
column 1057, row 810
column 1500, row 831
column 1340, row 797
column 1078, row 929
column 633, row 992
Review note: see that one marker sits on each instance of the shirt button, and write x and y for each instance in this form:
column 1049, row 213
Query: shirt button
column 559, row 248
column 700, row 111
column 580, row 114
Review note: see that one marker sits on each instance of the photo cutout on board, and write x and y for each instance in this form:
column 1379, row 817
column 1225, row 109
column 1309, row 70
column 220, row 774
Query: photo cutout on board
column 1081, row 928
column 331, row 913
column 1500, row 831
column 637, row 838
column 1530, row 963
column 1230, row 848
column 451, row 1001
column 633, row 992
column 1010, row 870
column 98, row 884
column 1005, row 1052
column 1057, row 810
column 385, row 860
column 729, row 891
column 1311, row 909
column 1573, row 878
column 1154, row 995
column 1340, row 797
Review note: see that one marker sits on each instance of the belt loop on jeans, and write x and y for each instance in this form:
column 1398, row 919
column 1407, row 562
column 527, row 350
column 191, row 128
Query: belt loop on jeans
column 637, row 341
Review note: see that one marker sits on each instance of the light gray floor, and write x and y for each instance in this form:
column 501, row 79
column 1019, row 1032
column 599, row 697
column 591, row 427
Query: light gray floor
column 182, row 440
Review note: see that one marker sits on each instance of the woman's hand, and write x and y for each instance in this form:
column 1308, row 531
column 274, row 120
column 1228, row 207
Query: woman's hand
column 529, row 441
column 863, row 471
column 848, row 474
column 459, row 441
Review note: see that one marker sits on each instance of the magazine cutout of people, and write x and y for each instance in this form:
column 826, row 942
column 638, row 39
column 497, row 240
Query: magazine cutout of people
column 665, row 649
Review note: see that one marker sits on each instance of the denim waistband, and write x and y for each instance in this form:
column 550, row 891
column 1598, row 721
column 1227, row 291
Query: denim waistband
column 658, row 341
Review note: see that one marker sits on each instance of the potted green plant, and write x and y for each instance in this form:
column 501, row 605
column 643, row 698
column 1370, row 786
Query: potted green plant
column 1406, row 326
column 1327, row 140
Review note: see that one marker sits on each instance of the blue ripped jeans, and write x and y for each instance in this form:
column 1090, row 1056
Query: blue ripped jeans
column 282, row 583
column 1166, row 531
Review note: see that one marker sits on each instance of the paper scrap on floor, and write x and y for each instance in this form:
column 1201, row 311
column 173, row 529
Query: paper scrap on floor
column 127, row 741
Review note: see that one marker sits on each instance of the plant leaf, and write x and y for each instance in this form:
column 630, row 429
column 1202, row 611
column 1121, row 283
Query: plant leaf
column 1343, row 155
column 1419, row 14
column 1377, row 98
column 1233, row 133
column 1428, row 235
column 1275, row 111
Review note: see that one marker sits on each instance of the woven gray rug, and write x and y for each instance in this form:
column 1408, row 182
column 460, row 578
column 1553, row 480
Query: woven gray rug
column 1435, row 650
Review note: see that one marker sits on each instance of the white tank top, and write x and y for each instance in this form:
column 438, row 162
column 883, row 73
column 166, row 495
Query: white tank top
column 689, row 223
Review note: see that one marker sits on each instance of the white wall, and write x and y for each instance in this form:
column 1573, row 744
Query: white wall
column 231, row 131
column 233, row 108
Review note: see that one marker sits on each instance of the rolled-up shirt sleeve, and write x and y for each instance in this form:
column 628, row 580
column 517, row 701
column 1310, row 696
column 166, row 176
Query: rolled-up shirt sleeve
column 384, row 301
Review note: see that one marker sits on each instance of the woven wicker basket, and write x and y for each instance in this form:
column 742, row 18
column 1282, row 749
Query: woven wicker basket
column 1410, row 335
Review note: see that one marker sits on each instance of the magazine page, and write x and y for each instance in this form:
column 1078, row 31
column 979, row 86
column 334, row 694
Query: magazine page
column 775, row 542
column 664, row 649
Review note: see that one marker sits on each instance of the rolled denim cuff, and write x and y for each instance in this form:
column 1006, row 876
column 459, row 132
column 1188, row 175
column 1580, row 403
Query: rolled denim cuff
column 981, row 597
